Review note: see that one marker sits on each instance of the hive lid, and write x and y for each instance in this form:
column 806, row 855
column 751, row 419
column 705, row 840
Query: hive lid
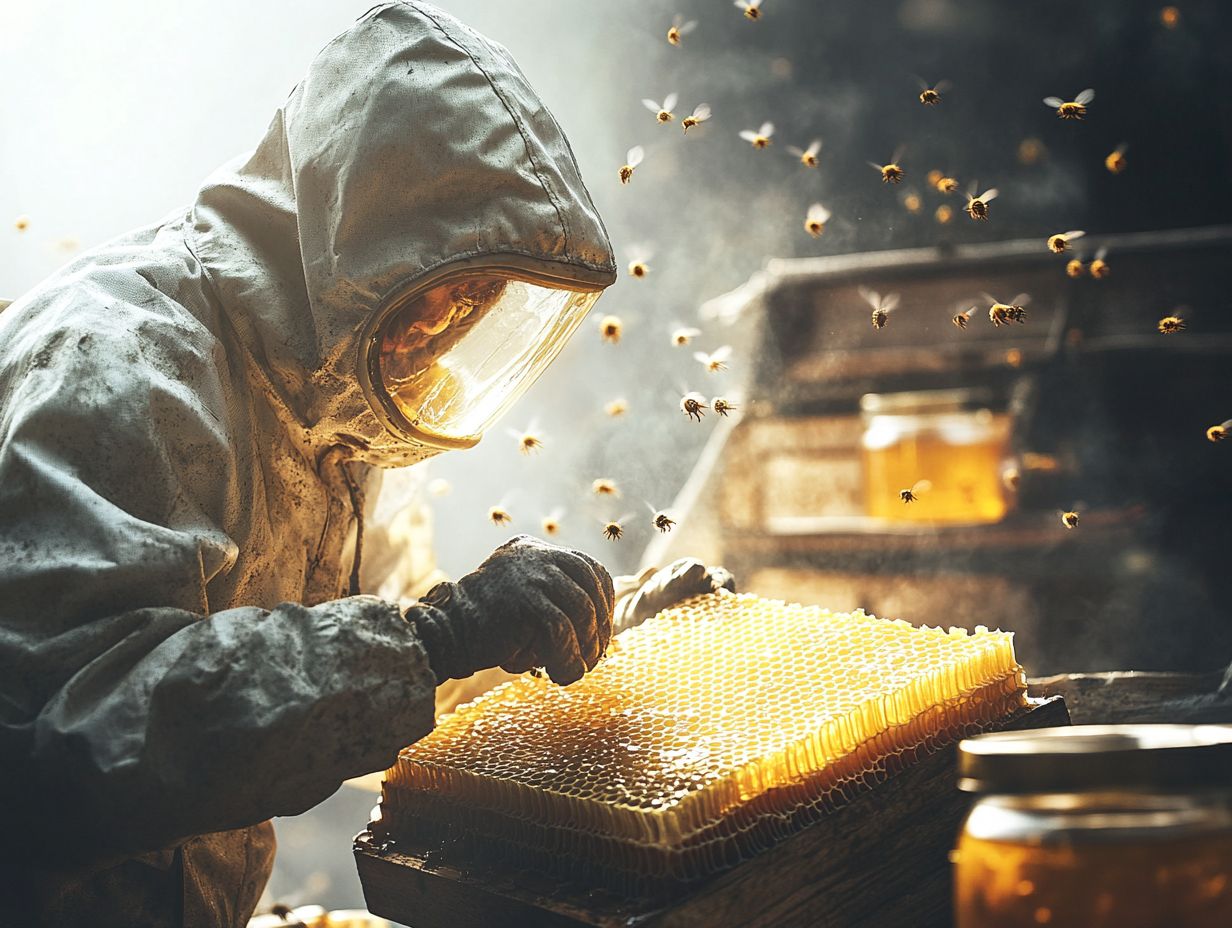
column 1093, row 757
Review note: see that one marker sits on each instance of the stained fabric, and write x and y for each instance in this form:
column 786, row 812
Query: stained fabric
column 185, row 449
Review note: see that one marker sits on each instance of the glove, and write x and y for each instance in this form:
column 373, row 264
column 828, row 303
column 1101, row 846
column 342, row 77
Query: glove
column 530, row 604
column 655, row 590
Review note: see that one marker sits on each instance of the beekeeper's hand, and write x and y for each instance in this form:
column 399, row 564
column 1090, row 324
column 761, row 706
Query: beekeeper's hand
column 653, row 590
column 530, row 604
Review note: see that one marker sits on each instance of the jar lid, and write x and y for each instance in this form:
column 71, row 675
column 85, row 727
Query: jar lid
column 1083, row 758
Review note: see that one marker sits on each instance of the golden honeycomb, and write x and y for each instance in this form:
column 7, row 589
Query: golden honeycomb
column 706, row 734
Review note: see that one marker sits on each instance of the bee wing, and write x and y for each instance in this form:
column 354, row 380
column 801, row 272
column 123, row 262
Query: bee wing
column 818, row 212
column 871, row 297
column 1054, row 102
column 971, row 188
column 1122, row 148
column 677, row 21
column 943, row 86
column 635, row 156
column 988, row 297
column 1072, row 234
column 1021, row 299
column 688, row 27
column 923, row 84
column 701, row 112
column 754, row 4
column 767, row 129
column 721, row 354
column 814, row 147
column 670, row 101
column 989, row 195
column 921, row 486
column 898, row 154
column 748, row 134
column 795, row 152
column 1085, row 97
column 875, row 166
column 891, row 301
column 701, row 357
column 650, row 104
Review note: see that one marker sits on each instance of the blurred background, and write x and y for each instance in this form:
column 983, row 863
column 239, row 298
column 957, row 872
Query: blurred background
column 115, row 112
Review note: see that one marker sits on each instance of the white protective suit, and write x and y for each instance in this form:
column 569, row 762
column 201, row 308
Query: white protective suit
column 184, row 449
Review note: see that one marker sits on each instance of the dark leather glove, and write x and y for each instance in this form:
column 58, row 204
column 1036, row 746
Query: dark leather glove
column 652, row 591
column 530, row 604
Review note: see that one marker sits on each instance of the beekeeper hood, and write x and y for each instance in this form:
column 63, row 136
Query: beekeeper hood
column 410, row 245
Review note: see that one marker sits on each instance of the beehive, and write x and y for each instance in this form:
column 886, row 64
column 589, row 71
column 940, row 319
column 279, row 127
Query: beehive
column 708, row 733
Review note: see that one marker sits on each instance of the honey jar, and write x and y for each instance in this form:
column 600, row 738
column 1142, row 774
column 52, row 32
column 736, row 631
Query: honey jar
column 1097, row 825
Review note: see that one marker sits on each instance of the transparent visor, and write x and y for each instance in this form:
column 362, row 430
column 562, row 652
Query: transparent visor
column 458, row 355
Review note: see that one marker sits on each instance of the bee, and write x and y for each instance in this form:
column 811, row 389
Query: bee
column 1075, row 109
column 639, row 261
column 962, row 318
column 942, row 182
column 439, row 487
column 614, row 531
column 529, row 440
column 1058, row 244
column 723, row 406
column 882, row 306
column 605, row 486
column 1000, row 314
column 977, row 207
column 944, row 214
column 751, row 8
column 661, row 519
column 636, row 155
column 1219, row 432
column 1075, row 268
column 684, row 335
column 891, row 173
column 912, row 202
column 611, row 328
column 1099, row 267
column 21, row 223
column 616, row 408
column 1031, row 151
column 761, row 138
column 1011, row 477
column 1170, row 17
column 700, row 114
column 1170, row 325
column 1116, row 162
column 1069, row 519
column 815, row 220
column 663, row 111
column 694, row 406
column 679, row 28
column 807, row 156
column 931, row 95
column 918, row 489
column 715, row 361
column 551, row 523
column 499, row 515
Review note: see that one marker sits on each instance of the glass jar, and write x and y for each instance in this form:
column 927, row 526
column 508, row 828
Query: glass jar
column 946, row 442
column 1097, row 825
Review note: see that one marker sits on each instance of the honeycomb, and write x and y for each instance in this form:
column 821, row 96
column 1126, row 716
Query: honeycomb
column 708, row 733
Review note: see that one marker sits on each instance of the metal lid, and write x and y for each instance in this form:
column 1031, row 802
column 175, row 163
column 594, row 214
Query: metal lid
column 1083, row 758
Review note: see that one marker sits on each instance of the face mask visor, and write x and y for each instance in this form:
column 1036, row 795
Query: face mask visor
column 447, row 361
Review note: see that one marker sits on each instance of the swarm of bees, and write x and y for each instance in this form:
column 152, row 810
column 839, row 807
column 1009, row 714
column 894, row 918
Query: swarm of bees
column 807, row 156
column 679, row 28
column 1171, row 324
column 930, row 95
column 977, row 207
column 759, row 139
column 663, row 111
column 1073, row 109
column 892, row 172
column 882, row 306
column 1058, row 244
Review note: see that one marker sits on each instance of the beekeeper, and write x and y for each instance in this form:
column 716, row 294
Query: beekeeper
column 191, row 417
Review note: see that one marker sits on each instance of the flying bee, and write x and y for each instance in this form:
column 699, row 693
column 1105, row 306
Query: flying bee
column 21, row 223
column 1069, row 518
column 499, row 515
column 882, row 306
column 807, row 156
column 918, row 489
column 942, row 183
column 977, row 207
column 614, row 530
column 715, row 361
column 912, row 202
column 1099, row 267
column 694, row 406
column 1058, row 244
column 1011, row 477
column 1171, row 324
column 616, row 408
column 931, row 95
column 1000, row 314
column 684, row 335
column 551, row 523
column 1075, row 109
column 891, row 173
column 1075, row 268
column 815, row 220
column 635, row 157
column 1170, row 17
column 700, row 114
column 761, row 138
column 529, row 440
column 663, row 111
column 605, row 486
column 723, row 406
column 679, row 28
column 661, row 518
column 1116, row 162
column 611, row 328
column 639, row 261
column 751, row 8
column 1031, row 151
column 962, row 318
column 1219, row 432
column 944, row 214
